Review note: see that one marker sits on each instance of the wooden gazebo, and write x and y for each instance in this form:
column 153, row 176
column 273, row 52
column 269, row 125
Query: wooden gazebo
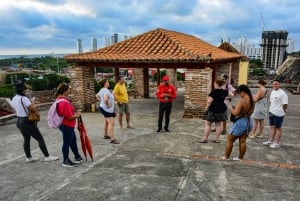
column 159, row 48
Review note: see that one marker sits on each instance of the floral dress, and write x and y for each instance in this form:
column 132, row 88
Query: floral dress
column 261, row 109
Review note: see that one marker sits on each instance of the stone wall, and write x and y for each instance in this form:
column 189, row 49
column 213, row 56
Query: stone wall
column 141, row 82
column 198, row 83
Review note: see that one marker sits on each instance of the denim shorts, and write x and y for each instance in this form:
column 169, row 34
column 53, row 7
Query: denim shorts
column 275, row 120
column 240, row 126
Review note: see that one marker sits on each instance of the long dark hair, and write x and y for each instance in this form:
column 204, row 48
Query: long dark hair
column 20, row 88
column 62, row 87
column 246, row 89
column 102, row 82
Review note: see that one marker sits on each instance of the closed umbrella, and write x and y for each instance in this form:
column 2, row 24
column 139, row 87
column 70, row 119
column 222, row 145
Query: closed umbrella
column 85, row 141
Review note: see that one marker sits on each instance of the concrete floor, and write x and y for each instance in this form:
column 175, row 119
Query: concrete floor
column 153, row 166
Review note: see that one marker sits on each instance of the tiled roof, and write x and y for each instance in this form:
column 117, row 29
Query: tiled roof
column 227, row 47
column 157, row 45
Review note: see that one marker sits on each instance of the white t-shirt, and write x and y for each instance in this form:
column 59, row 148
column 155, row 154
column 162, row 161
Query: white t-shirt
column 111, row 100
column 278, row 98
column 17, row 104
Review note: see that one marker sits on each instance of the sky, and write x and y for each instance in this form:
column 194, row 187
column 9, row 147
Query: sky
column 53, row 26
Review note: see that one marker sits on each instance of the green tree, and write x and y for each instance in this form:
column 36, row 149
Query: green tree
column 13, row 78
column 7, row 90
column 39, row 84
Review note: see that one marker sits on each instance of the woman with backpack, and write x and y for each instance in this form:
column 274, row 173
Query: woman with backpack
column 66, row 109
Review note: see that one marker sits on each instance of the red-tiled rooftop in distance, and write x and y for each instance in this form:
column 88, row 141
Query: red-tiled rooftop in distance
column 227, row 47
column 157, row 45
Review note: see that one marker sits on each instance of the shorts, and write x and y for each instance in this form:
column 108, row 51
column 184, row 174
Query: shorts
column 240, row 127
column 275, row 120
column 107, row 114
column 123, row 108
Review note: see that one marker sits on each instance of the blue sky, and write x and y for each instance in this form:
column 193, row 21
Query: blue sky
column 46, row 26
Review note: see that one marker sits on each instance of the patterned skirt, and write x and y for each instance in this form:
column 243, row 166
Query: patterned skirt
column 216, row 117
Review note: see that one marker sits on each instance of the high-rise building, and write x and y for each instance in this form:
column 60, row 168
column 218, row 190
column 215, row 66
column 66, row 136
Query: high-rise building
column 114, row 38
column 107, row 41
column 242, row 45
column 253, row 52
column 94, row 44
column 274, row 44
column 291, row 45
column 79, row 45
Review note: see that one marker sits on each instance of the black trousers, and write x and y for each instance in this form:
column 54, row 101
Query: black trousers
column 28, row 130
column 164, row 108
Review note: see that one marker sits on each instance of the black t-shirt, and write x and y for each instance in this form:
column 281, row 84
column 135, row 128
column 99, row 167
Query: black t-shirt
column 218, row 105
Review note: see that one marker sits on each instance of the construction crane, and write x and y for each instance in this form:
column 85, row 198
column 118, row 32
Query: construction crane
column 262, row 22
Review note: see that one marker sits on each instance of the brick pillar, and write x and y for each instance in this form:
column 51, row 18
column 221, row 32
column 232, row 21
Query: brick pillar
column 225, row 68
column 141, row 81
column 198, row 84
column 172, row 76
column 83, row 88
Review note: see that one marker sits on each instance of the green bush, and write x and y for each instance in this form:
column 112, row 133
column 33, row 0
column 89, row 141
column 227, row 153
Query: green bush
column 7, row 91
column 112, row 84
column 180, row 76
column 39, row 84
column 53, row 80
column 257, row 72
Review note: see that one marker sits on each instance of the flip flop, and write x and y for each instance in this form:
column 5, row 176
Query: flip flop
column 202, row 141
column 216, row 141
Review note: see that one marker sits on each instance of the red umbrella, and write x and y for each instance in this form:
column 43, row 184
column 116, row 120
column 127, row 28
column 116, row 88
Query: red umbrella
column 85, row 141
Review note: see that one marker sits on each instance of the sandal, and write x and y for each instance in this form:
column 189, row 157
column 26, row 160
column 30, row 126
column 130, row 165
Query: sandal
column 106, row 137
column 202, row 141
column 115, row 141
column 223, row 158
column 216, row 141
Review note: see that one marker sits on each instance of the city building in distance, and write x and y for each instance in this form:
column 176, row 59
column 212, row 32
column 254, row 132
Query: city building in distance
column 274, row 48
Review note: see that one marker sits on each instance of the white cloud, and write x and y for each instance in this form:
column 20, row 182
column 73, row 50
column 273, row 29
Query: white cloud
column 52, row 24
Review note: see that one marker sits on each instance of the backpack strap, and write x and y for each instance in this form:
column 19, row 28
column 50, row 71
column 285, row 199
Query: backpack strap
column 58, row 101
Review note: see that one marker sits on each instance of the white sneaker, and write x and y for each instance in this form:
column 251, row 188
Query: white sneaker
column 274, row 145
column 30, row 160
column 267, row 143
column 236, row 159
column 51, row 158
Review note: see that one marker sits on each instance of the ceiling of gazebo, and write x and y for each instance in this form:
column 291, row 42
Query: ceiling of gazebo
column 157, row 46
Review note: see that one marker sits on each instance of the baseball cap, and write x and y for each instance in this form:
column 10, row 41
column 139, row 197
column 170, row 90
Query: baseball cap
column 165, row 78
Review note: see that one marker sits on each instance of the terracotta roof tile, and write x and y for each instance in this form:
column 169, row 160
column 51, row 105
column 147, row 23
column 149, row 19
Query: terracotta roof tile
column 159, row 44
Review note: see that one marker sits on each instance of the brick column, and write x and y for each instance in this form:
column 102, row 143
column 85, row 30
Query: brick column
column 141, row 81
column 172, row 76
column 198, row 84
column 83, row 89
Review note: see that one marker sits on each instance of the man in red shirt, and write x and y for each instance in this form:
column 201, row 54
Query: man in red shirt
column 166, row 93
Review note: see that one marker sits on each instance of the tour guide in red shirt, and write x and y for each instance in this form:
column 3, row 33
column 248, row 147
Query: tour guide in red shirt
column 166, row 93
